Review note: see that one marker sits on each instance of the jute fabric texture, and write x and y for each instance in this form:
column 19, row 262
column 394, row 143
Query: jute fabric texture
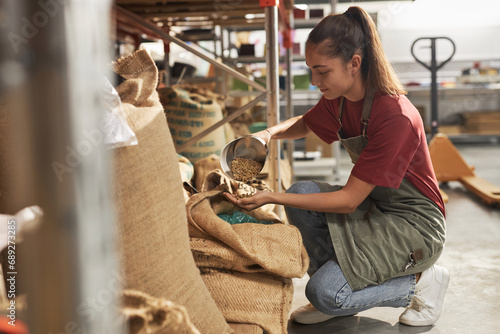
column 146, row 314
column 247, row 267
column 152, row 225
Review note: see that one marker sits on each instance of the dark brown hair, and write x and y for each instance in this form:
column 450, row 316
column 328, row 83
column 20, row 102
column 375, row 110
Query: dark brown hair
column 354, row 32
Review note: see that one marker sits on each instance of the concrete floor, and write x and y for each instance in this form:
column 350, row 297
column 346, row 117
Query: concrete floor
column 472, row 255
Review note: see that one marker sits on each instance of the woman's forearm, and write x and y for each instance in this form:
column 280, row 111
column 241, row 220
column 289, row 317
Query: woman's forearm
column 293, row 128
column 345, row 200
column 337, row 201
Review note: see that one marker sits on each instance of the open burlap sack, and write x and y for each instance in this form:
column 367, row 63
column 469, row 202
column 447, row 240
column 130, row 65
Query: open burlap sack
column 216, row 179
column 146, row 314
column 247, row 267
column 276, row 247
column 152, row 225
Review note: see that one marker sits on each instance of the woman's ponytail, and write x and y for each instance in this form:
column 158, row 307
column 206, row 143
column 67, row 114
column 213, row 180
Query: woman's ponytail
column 354, row 32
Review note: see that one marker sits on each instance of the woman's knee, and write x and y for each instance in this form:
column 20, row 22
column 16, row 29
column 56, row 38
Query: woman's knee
column 327, row 289
column 303, row 187
column 322, row 296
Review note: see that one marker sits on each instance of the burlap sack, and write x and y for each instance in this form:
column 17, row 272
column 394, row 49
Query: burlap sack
column 216, row 179
column 205, row 92
column 186, row 168
column 208, row 176
column 146, row 314
column 268, row 255
column 187, row 171
column 189, row 114
column 283, row 252
column 257, row 298
column 211, row 95
column 203, row 167
column 152, row 226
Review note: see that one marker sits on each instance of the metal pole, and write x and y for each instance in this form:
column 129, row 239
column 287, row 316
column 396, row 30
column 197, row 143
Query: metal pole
column 67, row 265
column 434, row 90
column 217, row 71
column 166, row 64
column 153, row 27
column 289, row 101
column 224, row 89
column 272, row 59
column 333, row 5
column 219, row 54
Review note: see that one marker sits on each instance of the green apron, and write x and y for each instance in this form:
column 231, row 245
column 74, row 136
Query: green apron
column 393, row 232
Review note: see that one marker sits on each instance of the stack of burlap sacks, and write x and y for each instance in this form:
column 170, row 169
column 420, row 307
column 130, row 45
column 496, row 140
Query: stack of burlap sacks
column 239, row 273
column 246, row 267
column 160, row 278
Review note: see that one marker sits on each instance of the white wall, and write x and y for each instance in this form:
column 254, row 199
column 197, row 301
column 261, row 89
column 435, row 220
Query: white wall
column 474, row 26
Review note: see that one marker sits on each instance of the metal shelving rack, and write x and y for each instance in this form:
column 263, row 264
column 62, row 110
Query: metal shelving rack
column 156, row 17
column 292, row 97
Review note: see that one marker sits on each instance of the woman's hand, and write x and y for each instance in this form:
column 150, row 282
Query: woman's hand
column 249, row 203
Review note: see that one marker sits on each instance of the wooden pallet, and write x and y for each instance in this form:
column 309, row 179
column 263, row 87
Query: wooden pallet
column 449, row 165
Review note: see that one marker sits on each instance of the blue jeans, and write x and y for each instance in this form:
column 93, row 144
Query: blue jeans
column 327, row 289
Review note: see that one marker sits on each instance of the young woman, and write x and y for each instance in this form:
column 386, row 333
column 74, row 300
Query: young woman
column 373, row 242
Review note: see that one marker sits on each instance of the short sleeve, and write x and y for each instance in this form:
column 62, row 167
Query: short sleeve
column 322, row 119
column 390, row 150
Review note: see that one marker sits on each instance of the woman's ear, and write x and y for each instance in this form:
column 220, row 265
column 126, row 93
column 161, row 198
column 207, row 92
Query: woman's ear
column 355, row 63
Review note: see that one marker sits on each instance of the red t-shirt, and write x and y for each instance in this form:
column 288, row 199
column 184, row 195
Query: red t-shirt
column 397, row 146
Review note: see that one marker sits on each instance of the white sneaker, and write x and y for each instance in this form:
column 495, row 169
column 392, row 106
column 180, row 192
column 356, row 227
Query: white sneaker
column 425, row 307
column 308, row 315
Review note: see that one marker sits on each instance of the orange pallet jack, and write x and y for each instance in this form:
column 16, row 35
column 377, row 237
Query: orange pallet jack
column 449, row 165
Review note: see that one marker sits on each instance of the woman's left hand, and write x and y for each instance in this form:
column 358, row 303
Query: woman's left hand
column 249, row 203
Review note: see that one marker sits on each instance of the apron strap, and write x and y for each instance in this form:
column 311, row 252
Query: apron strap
column 365, row 112
column 341, row 110
column 367, row 107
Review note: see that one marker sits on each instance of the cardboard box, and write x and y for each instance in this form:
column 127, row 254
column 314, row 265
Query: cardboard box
column 450, row 129
column 483, row 122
